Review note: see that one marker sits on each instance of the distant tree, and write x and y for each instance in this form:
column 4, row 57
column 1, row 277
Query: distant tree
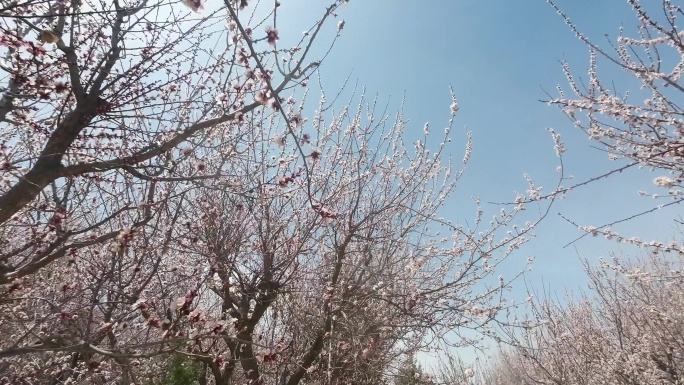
column 409, row 373
column 453, row 371
column 628, row 329
column 181, row 371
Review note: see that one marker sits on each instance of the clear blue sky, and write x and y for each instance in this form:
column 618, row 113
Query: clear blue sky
column 498, row 55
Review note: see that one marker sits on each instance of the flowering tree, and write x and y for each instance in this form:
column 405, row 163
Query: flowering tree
column 107, row 100
column 643, row 128
column 161, row 199
column 627, row 332
column 108, row 112
column 327, row 267
column 626, row 329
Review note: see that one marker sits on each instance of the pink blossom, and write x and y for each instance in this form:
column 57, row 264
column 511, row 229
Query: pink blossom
column 272, row 35
column 194, row 5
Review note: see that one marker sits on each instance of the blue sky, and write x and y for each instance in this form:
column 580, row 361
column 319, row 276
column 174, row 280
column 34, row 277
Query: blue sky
column 499, row 56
